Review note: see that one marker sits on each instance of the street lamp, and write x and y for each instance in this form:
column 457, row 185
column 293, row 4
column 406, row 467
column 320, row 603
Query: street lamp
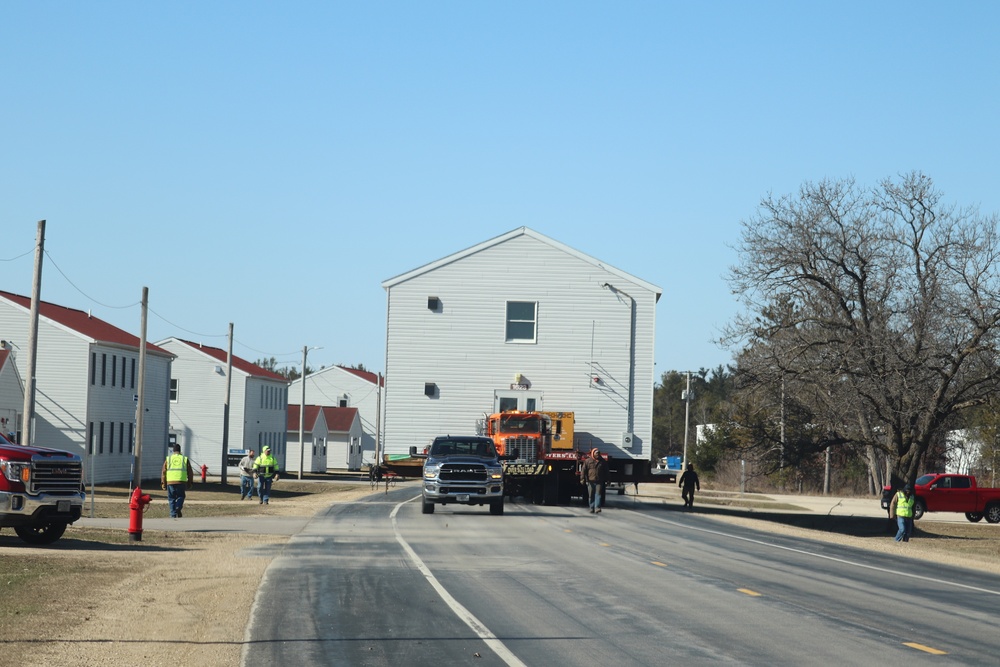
column 686, row 397
column 302, row 410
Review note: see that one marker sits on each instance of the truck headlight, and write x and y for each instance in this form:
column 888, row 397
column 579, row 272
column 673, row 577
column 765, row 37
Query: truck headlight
column 496, row 473
column 16, row 472
column 431, row 471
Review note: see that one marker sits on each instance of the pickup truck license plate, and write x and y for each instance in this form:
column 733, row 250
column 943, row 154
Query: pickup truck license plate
column 62, row 506
column 463, row 497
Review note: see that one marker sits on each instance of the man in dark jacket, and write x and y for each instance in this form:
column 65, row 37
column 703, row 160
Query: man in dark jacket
column 595, row 473
column 688, row 483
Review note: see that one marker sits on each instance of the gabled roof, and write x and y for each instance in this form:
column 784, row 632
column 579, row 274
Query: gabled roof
column 83, row 324
column 368, row 376
column 309, row 423
column 239, row 364
column 520, row 231
column 339, row 420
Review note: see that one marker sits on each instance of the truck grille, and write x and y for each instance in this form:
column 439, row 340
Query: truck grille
column 524, row 449
column 462, row 472
column 56, row 477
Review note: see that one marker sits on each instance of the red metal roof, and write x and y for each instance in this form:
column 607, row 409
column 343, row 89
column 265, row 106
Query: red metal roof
column 84, row 323
column 240, row 364
column 339, row 420
column 364, row 375
column 312, row 412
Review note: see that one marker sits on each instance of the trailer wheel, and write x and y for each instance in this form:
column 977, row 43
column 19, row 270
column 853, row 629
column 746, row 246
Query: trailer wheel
column 993, row 513
column 427, row 508
column 919, row 508
column 41, row 533
column 974, row 517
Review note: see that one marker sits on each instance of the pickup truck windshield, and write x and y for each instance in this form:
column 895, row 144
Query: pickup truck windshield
column 482, row 448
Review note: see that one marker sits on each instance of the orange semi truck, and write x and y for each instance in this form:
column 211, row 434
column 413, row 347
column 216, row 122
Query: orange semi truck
column 541, row 460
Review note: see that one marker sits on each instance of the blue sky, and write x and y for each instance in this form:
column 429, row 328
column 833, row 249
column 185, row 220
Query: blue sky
column 270, row 164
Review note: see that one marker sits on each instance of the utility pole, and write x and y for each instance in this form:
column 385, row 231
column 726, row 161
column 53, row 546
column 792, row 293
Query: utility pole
column 225, row 408
column 686, row 396
column 28, row 419
column 141, row 392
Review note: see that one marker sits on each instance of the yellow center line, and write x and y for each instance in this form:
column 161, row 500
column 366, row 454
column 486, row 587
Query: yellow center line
column 749, row 592
column 925, row 649
column 658, row 563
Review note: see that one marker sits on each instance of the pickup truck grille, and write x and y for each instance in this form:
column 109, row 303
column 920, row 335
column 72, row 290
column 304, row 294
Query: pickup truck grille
column 56, row 477
column 462, row 472
column 523, row 449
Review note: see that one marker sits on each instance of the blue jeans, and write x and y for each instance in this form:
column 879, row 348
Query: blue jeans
column 246, row 486
column 905, row 524
column 264, row 488
column 595, row 495
column 175, row 498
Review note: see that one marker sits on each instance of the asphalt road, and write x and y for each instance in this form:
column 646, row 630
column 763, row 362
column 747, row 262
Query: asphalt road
column 376, row 582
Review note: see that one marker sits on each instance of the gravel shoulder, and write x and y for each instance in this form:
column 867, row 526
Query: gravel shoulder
column 178, row 597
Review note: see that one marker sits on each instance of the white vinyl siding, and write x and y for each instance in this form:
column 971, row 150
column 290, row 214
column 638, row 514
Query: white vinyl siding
column 583, row 329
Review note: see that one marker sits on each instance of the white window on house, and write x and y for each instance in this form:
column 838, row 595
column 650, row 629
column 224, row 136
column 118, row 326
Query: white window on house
column 342, row 401
column 521, row 319
column 174, row 383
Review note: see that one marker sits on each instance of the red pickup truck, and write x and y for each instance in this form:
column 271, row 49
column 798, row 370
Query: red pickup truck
column 942, row 492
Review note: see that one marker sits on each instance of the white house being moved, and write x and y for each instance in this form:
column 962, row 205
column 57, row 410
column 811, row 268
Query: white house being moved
column 11, row 394
column 521, row 322
column 86, row 383
column 258, row 404
column 340, row 387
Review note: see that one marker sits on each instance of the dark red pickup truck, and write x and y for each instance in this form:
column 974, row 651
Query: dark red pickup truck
column 945, row 492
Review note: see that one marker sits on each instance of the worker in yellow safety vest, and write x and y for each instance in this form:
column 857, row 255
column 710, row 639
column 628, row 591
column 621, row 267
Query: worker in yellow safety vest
column 902, row 508
column 266, row 467
column 175, row 477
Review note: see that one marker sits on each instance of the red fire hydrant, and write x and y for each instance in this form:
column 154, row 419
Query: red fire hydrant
column 136, row 508
column 204, row 473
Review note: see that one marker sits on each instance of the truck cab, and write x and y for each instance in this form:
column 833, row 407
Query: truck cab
column 463, row 470
column 41, row 491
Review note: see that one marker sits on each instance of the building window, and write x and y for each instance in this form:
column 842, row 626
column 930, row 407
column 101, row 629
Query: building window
column 173, row 389
column 124, row 360
column 104, row 369
column 93, row 368
column 133, row 374
column 90, row 438
column 100, row 438
column 521, row 317
column 121, row 437
column 111, row 437
column 131, row 436
column 114, row 369
column 342, row 401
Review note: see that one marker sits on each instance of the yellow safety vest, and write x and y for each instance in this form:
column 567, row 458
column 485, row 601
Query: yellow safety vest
column 266, row 466
column 177, row 468
column 904, row 505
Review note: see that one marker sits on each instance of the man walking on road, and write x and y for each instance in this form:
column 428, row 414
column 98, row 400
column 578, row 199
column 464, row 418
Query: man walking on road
column 688, row 483
column 246, row 475
column 174, row 478
column 266, row 467
column 595, row 473
column 902, row 509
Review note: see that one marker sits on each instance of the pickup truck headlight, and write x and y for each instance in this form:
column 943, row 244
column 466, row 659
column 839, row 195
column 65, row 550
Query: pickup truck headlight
column 16, row 472
column 431, row 471
column 496, row 473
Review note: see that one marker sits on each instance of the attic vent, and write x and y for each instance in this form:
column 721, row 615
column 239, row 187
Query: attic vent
column 433, row 303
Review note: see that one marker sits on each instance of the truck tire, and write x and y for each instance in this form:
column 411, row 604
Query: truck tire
column 974, row 517
column 41, row 533
column 919, row 508
column 427, row 508
column 496, row 508
column 992, row 513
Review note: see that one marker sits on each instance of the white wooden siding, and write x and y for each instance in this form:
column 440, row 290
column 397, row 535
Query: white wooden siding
column 583, row 331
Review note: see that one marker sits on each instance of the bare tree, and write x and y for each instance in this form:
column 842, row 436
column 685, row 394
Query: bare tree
column 877, row 309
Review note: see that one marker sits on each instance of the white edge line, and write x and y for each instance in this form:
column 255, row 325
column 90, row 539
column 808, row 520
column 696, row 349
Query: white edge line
column 464, row 614
column 816, row 555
